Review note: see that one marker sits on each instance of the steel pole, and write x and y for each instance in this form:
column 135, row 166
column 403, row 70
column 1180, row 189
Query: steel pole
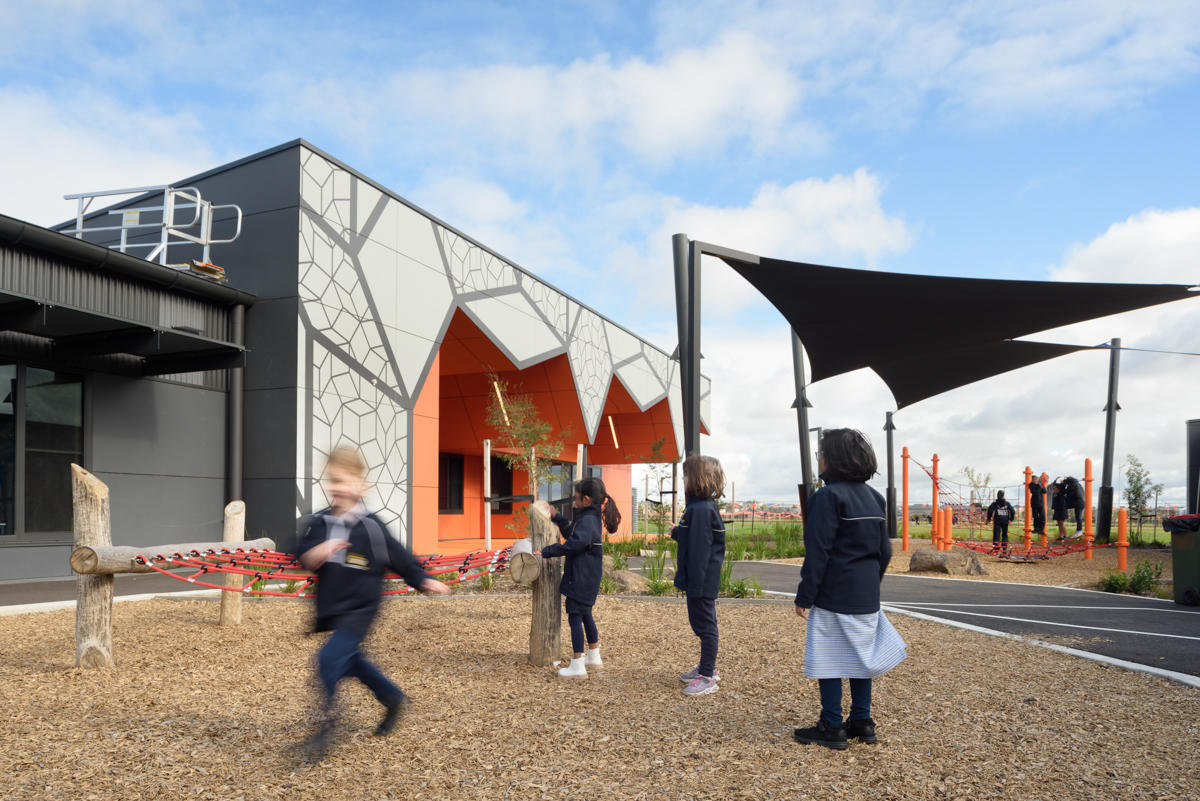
column 687, row 312
column 234, row 439
column 802, row 407
column 889, row 427
column 1105, row 500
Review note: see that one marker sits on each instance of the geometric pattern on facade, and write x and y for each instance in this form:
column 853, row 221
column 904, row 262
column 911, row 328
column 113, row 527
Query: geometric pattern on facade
column 379, row 283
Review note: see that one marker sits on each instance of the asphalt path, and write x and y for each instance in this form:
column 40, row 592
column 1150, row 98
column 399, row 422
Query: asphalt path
column 1146, row 631
column 38, row 592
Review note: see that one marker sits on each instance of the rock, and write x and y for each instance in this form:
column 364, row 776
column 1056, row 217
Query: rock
column 954, row 563
column 608, row 564
column 628, row 581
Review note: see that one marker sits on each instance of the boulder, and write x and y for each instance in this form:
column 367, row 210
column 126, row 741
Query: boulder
column 630, row 582
column 954, row 563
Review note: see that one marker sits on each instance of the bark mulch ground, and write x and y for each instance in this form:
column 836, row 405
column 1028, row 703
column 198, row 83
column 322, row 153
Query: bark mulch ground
column 198, row 711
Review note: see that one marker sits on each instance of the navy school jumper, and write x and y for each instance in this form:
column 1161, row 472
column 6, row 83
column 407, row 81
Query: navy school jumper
column 584, row 550
column 701, row 538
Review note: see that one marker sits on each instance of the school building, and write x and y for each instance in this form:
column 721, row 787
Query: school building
column 345, row 315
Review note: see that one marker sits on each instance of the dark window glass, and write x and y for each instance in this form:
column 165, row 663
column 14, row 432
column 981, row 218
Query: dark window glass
column 450, row 483
column 53, row 440
column 8, row 450
column 559, row 491
column 502, row 485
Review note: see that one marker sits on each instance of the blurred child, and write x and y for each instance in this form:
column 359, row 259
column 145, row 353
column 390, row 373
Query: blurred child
column 701, row 538
column 584, row 549
column 349, row 549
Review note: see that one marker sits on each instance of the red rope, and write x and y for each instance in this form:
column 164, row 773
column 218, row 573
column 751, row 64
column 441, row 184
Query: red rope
column 1017, row 550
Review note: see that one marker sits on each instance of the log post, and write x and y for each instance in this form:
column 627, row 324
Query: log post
column 100, row 559
column 545, row 631
column 235, row 531
column 94, row 593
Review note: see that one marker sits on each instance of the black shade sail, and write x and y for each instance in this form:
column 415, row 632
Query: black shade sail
column 919, row 377
column 897, row 324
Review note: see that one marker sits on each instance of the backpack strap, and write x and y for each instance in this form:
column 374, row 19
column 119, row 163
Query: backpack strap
column 378, row 543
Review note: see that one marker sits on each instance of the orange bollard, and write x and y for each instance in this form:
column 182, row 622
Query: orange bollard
column 1045, row 479
column 1087, row 509
column 948, row 529
column 935, row 515
column 1028, row 511
column 904, row 528
column 1122, row 538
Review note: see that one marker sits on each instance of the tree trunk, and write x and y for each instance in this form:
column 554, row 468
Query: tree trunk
column 235, row 531
column 94, row 604
column 545, row 631
column 108, row 559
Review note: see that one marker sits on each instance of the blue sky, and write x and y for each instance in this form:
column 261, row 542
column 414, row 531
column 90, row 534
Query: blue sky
column 1047, row 140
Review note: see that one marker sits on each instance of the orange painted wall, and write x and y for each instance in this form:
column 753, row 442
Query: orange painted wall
column 618, row 480
column 424, row 466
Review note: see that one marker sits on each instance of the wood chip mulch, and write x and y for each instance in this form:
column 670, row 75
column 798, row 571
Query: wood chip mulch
column 198, row 711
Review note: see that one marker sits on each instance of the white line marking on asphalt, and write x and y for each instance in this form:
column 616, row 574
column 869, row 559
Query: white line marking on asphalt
column 1045, row 606
column 1048, row 623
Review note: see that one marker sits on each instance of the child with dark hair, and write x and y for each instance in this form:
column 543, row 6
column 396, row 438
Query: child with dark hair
column 701, row 538
column 611, row 515
column 847, row 551
column 1002, row 512
column 349, row 549
column 584, row 566
column 1037, row 505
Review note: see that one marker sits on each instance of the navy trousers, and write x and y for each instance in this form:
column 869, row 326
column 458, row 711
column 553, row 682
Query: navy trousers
column 831, row 700
column 702, row 614
column 341, row 659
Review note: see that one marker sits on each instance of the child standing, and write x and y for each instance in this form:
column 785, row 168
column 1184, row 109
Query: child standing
column 701, row 538
column 999, row 514
column 584, row 549
column 847, row 551
column 349, row 550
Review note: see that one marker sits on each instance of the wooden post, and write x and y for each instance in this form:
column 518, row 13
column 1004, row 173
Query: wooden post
column 904, row 494
column 1122, row 538
column 487, row 493
column 1028, row 511
column 92, row 560
column 235, row 531
column 94, row 604
column 545, row 630
column 1087, row 509
column 935, row 517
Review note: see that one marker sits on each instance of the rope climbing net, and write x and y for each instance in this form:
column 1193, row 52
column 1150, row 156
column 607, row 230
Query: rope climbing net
column 263, row 571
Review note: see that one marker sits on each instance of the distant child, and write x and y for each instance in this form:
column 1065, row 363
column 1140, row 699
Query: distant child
column 1058, row 504
column 1037, row 506
column 847, row 551
column 701, row 538
column 999, row 514
column 349, row 549
column 584, row 549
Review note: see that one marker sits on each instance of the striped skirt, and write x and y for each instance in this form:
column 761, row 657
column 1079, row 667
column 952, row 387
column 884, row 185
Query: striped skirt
column 850, row 646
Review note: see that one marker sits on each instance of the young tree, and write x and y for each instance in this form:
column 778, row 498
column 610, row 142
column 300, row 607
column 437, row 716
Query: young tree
column 978, row 480
column 1138, row 488
column 523, row 440
column 658, row 467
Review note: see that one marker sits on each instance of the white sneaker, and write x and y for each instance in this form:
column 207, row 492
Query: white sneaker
column 591, row 660
column 575, row 670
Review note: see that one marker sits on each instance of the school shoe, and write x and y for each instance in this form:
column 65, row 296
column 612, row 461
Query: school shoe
column 591, row 659
column 317, row 746
column 823, row 735
column 701, row 685
column 861, row 730
column 576, row 670
column 694, row 673
column 394, row 710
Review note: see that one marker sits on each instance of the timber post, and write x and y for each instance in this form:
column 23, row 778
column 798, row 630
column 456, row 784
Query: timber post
column 94, row 604
column 545, row 630
column 235, row 531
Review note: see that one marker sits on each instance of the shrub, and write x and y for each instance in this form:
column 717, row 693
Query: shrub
column 1145, row 576
column 620, row 561
column 607, row 585
column 661, row 586
column 1114, row 581
column 1165, row 591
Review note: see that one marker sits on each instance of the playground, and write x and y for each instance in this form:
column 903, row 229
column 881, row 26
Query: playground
column 194, row 710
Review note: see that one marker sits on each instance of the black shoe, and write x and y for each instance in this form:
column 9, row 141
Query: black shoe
column 861, row 730
column 394, row 709
column 823, row 735
column 319, row 744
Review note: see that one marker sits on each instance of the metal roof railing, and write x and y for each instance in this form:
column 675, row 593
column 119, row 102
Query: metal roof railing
column 174, row 200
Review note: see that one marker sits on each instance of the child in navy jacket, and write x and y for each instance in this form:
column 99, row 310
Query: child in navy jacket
column 584, row 549
column 349, row 549
column 701, row 538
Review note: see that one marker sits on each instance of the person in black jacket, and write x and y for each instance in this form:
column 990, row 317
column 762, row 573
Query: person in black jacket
column 1037, row 506
column 584, row 549
column 847, row 551
column 999, row 514
column 349, row 549
column 701, row 538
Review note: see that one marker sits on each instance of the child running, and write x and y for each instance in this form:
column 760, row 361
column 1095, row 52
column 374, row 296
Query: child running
column 349, row 550
column 584, row 549
column 701, row 538
column 847, row 551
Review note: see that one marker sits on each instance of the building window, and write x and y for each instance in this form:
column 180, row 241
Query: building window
column 450, row 483
column 41, row 435
column 559, row 491
column 502, row 486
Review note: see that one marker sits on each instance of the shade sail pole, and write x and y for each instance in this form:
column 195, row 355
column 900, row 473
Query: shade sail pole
column 802, row 406
column 889, row 427
column 1104, row 502
column 687, row 312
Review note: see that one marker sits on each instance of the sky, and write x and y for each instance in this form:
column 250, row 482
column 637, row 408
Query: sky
column 1049, row 140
